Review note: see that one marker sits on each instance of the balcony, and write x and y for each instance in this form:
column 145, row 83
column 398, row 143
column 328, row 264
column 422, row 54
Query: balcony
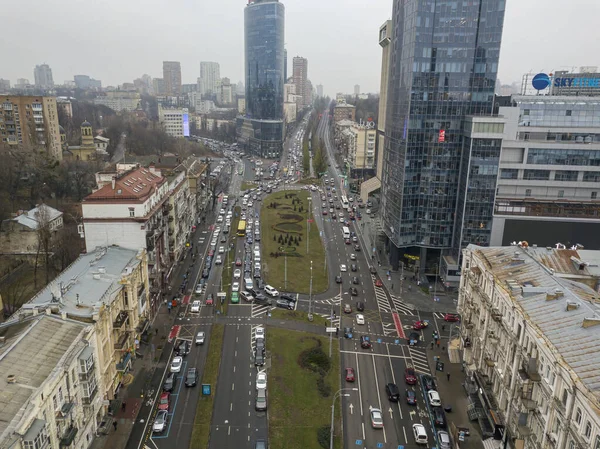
column 124, row 363
column 496, row 315
column 529, row 371
column 68, row 437
column 121, row 343
column 87, row 400
column 65, row 411
column 121, row 319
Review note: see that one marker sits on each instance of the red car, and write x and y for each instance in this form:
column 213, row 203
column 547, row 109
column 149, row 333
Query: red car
column 165, row 401
column 378, row 283
column 238, row 262
column 348, row 241
column 209, row 300
column 420, row 325
column 324, row 212
column 451, row 317
column 211, row 253
column 349, row 374
column 409, row 376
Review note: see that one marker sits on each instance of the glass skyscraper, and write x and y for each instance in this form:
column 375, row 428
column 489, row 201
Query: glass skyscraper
column 261, row 130
column 443, row 67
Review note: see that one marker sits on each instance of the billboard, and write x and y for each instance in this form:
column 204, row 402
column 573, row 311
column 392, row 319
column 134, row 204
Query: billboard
column 186, row 125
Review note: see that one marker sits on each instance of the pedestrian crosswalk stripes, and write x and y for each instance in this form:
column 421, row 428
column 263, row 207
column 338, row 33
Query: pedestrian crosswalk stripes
column 438, row 315
column 259, row 310
column 389, row 330
column 403, row 308
column 419, row 360
column 336, row 319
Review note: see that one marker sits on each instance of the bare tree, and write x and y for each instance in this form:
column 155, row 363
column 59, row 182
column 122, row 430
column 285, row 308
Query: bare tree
column 14, row 294
column 44, row 241
column 68, row 246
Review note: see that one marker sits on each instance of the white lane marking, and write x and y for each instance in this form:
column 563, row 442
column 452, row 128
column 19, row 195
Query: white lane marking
column 359, row 391
column 387, row 347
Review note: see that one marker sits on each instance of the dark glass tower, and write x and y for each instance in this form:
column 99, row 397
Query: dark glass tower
column 443, row 66
column 261, row 130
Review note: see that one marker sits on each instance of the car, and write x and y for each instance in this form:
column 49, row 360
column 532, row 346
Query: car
column 238, row 262
column 247, row 296
column 338, row 279
column 451, row 317
column 353, row 291
column 200, row 338
column 260, row 345
column 411, row 397
column 444, row 439
column 352, row 256
column 237, row 274
column 355, row 239
column 261, row 380
column 372, row 269
column 261, row 400
column 355, row 280
column 235, row 287
column 324, row 211
column 182, row 348
column 419, row 433
column 221, row 249
column 259, row 358
column 350, row 375
column 409, row 376
column 271, row 291
column 284, row 304
column 343, row 268
column 164, row 402
column 191, row 378
column 195, row 307
column 428, row 382
column 360, row 306
column 160, row 422
column 288, row 297
column 347, row 332
column 341, row 214
column 223, row 239
column 170, row 382
column 354, row 267
column 259, row 332
column 176, row 364
column 256, row 274
column 439, row 417
column 378, row 283
column 434, row 398
column 205, row 273
column 210, row 300
column 347, row 241
column 418, row 325
column 392, row 392
column 357, row 248
column 218, row 260
column 262, row 299
column 365, row 342
column 360, row 319
column 257, row 266
column 413, row 339
column 347, row 308
column 376, row 418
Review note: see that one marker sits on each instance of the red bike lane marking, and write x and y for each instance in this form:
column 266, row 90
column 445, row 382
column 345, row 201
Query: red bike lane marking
column 398, row 325
column 174, row 333
column 186, row 299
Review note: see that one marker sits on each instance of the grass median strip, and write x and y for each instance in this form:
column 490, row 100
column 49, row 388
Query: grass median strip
column 204, row 409
column 297, row 315
column 302, row 382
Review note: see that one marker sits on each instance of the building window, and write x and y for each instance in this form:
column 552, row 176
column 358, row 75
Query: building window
column 566, row 175
column 569, row 113
column 528, row 192
column 132, row 212
column 525, row 111
column 588, row 429
column 591, row 176
column 509, row 173
column 536, row 175
column 597, row 443
column 578, row 416
column 594, row 195
column 561, row 193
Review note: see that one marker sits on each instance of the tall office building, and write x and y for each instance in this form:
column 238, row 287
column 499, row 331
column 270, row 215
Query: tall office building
column 210, row 78
column 443, row 68
column 357, row 89
column 172, row 77
column 42, row 75
column 261, row 130
column 319, row 90
column 285, row 65
column 300, row 78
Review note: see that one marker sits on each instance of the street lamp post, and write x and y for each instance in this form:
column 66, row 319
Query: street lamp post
column 333, row 410
column 308, row 222
column 310, row 293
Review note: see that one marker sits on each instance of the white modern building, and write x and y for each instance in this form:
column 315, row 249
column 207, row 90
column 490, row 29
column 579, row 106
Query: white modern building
column 204, row 106
column 42, row 75
column 174, row 121
column 210, row 78
column 528, row 338
column 118, row 104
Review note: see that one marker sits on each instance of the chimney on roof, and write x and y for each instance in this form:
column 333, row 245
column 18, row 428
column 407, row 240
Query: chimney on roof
column 114, row 181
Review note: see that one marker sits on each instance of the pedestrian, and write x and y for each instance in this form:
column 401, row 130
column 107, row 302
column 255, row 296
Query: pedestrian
column 438, row 343
column 432, row 345
column 123, row 405
column 115, row 424
column 392, row 286
column 448, row 376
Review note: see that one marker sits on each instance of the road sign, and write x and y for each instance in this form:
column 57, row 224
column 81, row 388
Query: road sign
column 205, row 389
column 330, row 329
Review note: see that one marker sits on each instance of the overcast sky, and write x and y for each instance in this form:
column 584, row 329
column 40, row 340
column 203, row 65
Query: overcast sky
column 116, row 41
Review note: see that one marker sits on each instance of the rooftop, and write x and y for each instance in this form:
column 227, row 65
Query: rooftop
column 31, row 351
column 30, row 219
column 88, row 283
column 137, row 184
column 565, row 311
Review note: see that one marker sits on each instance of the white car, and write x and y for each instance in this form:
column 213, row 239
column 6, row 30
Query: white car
column 376, row 418
column 343, row 268
column 198, row 289
column 419, row 433
column 218, row 260
column 160, row 422
column 220, row 219
column 434, row 398
column 237, row 274
column 271, row 291
column 200, row 336
column 176, row 364
column 196, row 306
column 352, row 256
column 261, row 380
column 221, row 249
column 360, row 319
column 260, row 332
column 235, row 287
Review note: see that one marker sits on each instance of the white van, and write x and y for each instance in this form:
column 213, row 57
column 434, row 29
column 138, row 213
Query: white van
column 256, row 256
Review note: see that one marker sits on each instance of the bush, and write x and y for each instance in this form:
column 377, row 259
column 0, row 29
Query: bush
column 323, row 387
column 323, row 436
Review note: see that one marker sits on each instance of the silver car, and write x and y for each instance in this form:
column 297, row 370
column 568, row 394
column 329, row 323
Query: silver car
column 160, row 423
column 444, row 439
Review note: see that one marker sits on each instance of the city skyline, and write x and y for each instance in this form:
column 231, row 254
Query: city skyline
column 337, row 69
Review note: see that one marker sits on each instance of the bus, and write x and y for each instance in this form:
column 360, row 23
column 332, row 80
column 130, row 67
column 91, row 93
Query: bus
column 345, row 203
column 241, row 231
column 346, row 232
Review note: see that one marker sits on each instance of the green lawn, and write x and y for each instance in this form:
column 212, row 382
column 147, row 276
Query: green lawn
column 204, row 409
column 296, row 408
column 282, row 221
column 298, row 315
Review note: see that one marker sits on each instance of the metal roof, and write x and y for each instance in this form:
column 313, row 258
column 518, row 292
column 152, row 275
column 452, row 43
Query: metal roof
column 572, row 339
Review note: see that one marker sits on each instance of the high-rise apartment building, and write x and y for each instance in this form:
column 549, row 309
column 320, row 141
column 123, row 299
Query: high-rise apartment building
column 42, row 75
column 172, row 77
column 300, row 79
column 210, row 78
column 319, row 90
column 30, row 123
column 357, row 89
column 262, row 128
column 226, row 92
column 285, row 58
column 158, row 85
column 443, row 68
column 85, row 82
column 4, row 85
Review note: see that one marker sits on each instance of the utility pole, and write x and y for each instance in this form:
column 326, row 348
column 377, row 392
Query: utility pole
column 310, row 293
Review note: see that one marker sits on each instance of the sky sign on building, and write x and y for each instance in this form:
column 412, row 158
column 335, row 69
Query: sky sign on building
column 542, row 80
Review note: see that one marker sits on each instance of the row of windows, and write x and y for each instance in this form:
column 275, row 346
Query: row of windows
column 544, row 175
column 542, row 156
column 561, row 194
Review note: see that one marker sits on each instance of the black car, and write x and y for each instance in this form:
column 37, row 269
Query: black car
column 439, row 417
column 355, row 280
column 357, row 247
column 191, row 379
column 259, row 358
column 256, row 274
column 338, row 279
column 411, row 397
column 284, row 304
column 347, row 332
column 360, row 306
column 260, row 345
column 182, row 348
column 373, row 270
column 205, row 273
column 223, row 239
column 354, row 267
column 170, row 382
column 353, row 291
column 262, row 299
column 261, row 284
column 287, row 297
column 393, row 392
column 365, row 342
column 428, row 382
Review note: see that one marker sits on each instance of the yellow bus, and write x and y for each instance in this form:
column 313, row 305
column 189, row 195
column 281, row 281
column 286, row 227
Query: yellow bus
column 241, row 231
